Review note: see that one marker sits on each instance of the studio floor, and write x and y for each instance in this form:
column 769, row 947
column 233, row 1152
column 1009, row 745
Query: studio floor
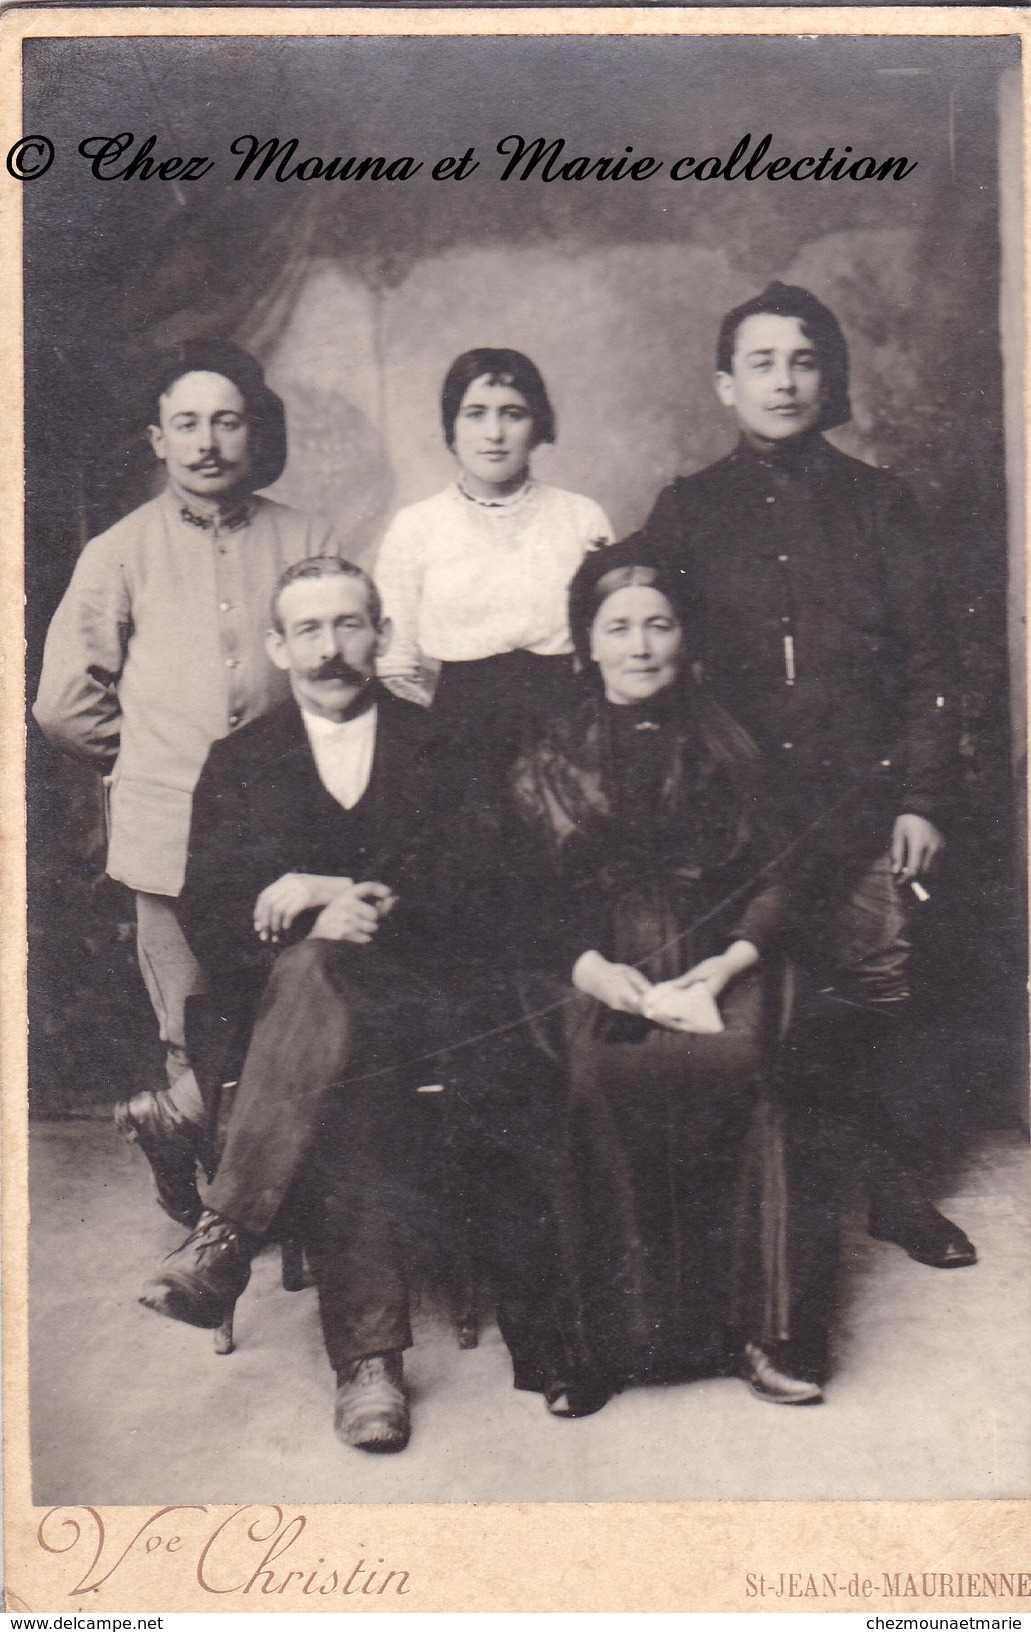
column 929, row 1397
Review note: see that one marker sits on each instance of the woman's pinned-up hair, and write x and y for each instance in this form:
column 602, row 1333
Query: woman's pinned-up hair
column 634, row 561
column 499, row 366
column 266, row 417
column 818, row 324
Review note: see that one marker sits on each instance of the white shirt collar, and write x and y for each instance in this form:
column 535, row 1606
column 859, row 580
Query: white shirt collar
column 343, row 751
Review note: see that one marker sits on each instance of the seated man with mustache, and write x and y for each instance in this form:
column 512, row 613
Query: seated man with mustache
column 317, row 902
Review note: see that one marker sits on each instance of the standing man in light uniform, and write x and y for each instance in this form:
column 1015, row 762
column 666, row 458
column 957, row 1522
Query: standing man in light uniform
column 157, row 650
column 821, row 634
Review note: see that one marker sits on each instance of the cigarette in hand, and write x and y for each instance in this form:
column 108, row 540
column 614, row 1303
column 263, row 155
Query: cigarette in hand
column 918, row 890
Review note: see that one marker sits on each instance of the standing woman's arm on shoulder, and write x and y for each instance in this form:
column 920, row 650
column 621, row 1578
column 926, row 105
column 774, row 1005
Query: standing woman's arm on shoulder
column 599, row 527
column 399, row 576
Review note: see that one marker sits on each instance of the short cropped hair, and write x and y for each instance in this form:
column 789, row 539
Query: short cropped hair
column 266, row 417
column 327, row 566
column 501, row 367
column 818, row 325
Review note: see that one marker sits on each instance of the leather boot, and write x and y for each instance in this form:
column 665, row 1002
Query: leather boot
column 171, row 1144
column 371, row 1411
column 900, row 1212
column 768, row 1382
column 202, row 1279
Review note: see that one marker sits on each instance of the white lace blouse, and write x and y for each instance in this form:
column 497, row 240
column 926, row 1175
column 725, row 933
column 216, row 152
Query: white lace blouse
column 462, row 578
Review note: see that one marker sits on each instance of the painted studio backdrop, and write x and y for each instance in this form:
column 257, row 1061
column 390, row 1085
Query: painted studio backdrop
column 356, row 294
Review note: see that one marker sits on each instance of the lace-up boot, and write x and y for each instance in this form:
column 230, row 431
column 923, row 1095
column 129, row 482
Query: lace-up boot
column 202, row 1279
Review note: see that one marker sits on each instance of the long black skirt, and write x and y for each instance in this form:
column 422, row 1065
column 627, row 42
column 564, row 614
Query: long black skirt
column 484, row 710
column 661, row 1195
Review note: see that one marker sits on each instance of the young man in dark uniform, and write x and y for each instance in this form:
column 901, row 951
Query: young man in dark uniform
column 821, row 636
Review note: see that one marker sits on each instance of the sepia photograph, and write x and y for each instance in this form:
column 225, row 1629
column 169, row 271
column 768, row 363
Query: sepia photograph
column 525, row 685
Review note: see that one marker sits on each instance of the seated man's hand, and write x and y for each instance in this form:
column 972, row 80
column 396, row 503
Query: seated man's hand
column 355, row 914
column 617, row 985
column 280, row 903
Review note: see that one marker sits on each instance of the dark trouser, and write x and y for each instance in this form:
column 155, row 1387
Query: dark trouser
column 844, row 1053
column 839, row 1077
column 845, row 1045
column 318, row 1132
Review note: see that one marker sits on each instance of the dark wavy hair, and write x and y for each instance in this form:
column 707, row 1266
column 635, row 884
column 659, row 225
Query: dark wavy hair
column 501, row 367
column 818, row 325
column 266, row 417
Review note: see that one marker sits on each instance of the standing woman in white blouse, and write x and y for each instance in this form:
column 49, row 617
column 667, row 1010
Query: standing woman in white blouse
column 476, row 578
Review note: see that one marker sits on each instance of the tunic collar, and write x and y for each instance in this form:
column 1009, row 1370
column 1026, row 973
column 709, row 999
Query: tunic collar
column 215, row 521
column 798, row 457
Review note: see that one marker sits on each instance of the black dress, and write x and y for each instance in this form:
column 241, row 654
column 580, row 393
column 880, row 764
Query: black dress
column 661, row 1173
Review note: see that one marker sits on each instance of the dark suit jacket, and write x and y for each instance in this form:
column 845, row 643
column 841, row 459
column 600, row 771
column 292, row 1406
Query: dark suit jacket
column 260, row 810
column 832, row 551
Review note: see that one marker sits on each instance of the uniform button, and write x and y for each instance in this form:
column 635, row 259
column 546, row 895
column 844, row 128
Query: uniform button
column 225, row 606
column 234, row 719
column 232, row 662
column 785, row 620
column 787, row 745
column 782, row 558
column 770, row 499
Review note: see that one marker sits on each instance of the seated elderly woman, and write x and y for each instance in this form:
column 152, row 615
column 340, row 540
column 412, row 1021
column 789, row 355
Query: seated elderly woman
column 649, row 908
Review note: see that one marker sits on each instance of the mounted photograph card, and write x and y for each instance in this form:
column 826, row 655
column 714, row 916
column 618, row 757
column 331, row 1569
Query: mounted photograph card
column 514, row 1004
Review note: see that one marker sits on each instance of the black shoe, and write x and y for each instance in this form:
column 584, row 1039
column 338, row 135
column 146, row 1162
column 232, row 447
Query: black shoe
column 922, row 1231
column 203, row 1278
column 777, row 1387
column 580, row 1396
column 171, row 1144
column 371, row 1411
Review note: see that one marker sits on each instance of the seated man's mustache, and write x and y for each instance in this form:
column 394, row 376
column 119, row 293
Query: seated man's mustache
column 335, row 668
column 213, row 462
